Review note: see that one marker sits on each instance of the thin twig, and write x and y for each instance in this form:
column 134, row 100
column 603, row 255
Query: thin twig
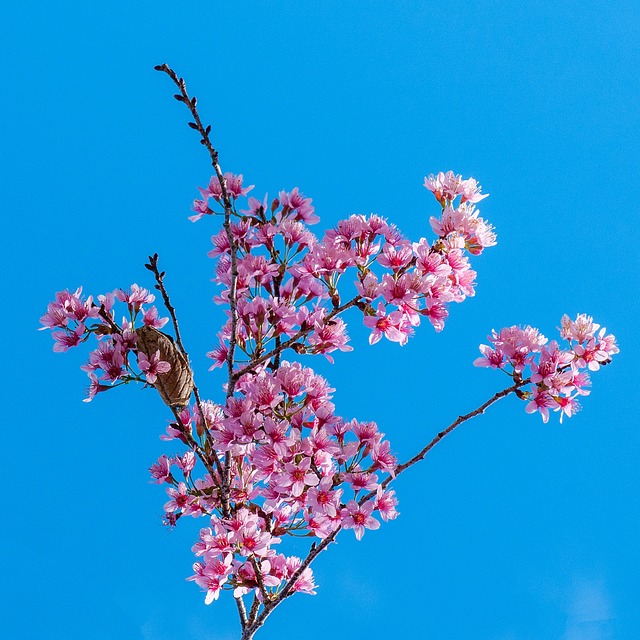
column 183, row 97
column 159, row 276
column 288, row 589
column 242, row 612
column 445, row 432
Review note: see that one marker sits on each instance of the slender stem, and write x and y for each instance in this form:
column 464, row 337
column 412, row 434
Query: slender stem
column 445, row 432
column 288, row 589
column 242, row 612
column 159, row 276
column 184, row 97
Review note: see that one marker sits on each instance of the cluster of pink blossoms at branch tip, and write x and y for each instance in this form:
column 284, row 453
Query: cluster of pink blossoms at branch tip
column 76, row 319
column 556, row 377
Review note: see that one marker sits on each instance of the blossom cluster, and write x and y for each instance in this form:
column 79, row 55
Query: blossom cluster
column 74, row 319
column 297, row 469
column 556, row 376
column 287, row 281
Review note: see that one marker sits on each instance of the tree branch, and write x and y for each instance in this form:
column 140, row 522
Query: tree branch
column 183, row 97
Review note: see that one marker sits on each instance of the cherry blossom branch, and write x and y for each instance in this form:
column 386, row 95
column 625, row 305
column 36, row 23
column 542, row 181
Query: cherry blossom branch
column 445, row 432
column 288, row 589
column 456, row 423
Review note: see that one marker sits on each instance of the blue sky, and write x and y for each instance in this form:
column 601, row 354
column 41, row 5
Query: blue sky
column 511, row 529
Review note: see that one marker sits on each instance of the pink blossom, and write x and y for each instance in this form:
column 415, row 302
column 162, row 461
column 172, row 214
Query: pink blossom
column 186, row 462
column 94, row 388
column 392, row 326
column 151, row 319
column 493, row 358
column 385, row 502
column 65, row 340
column 297, row 203
column 581, row 329
column 295, row 478
column 396, row 258
column 201, row 207
column 233, row 183
column 135, row 297
column 323, row 499
column 542, row 401
column 161, row 470
column 358, row 518
column 153, row 366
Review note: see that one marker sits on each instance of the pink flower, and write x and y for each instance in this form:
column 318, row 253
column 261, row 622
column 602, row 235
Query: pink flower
column 297, row 477
column 234, row 187
column 135, row 297
column 358, row 518
column 161, row 470
column 151, row 319
column 201, row 207
column 385, row 502
column 395, row 258
column 64, row 340
column 323, row 498
column 94, row 388
column 542, row 401
column 581, row 329
column 301, row 206
column 392, row 326
column 493, row 358
column 152, row 367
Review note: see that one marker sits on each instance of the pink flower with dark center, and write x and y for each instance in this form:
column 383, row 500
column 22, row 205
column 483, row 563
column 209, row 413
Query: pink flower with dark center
column 360, row 480
column 386, row 325
column 297, row 477
column 65, row 340
column 153, row 366
column 567, row 406
column 493, row 358
column 395, row 258
column 358, row 518
column 385, row 502
column 542, row 401
column 323, row 498
column 179, row 498
column 161, row 470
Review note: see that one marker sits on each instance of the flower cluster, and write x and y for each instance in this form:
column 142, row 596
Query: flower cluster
column 557, row 376
column 297, row 469
column 287, row 284
column 75, row 319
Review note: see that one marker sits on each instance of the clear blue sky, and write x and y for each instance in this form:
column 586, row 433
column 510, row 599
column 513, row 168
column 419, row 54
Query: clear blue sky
column 511, row 529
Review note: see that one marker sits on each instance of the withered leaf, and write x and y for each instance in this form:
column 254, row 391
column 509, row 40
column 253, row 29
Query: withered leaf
column 176, row 385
